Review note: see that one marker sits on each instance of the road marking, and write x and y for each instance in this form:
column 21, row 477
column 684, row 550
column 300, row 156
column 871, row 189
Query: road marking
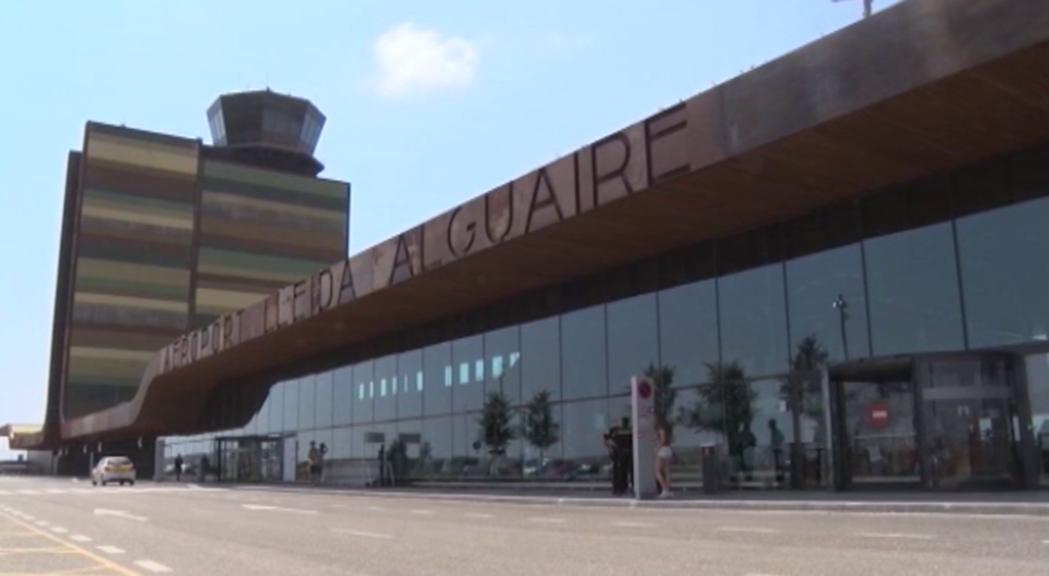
column 376, row 508
column 43, row 523
column 58, row 530
column 633, row 525
column 29, row 492
column 110, row 549
column 55, row 491
column 759, row 574
column 478, row 515
column 547, row 520
column 116, row 568
column 1045, row 541
column 901, row 535
column 79, row 538
column 5, row 492
column 337, row 506
column 364, row 534
column 152, row 566
column 262, row 507
column 119, row 514
column 423, row 512
column 747, row 530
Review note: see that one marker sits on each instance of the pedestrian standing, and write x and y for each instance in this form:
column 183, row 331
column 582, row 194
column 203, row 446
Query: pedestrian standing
column 178, row 467
column 664, row 456
column 624, row 442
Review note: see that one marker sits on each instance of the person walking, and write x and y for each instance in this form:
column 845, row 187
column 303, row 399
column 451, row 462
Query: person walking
column 664, row 456
column 178, row 467
column 313, row 463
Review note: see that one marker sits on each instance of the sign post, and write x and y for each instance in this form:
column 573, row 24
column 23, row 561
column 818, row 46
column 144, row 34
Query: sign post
column 643, row 419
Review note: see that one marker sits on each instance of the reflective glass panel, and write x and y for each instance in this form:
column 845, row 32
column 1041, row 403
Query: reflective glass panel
column 1005, row 273
column 688, row 326
column 364, row 379
column 913, row 289
column 540, row 360
column 632, row 340
column 437, row 375
column 410, row 396
column 584, row 368
column 824, row 328
column 343, row 395
column 469, row 391
column 754, row 320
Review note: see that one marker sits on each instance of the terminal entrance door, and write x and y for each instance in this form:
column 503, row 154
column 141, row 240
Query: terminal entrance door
column 968, row 407
column 878, row 428
column 946, row 421
column 249, row 459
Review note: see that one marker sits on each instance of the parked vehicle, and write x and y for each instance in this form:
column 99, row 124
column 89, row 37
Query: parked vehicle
column 113, row 469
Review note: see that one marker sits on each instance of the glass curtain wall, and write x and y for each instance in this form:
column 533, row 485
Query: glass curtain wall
column 740, row 354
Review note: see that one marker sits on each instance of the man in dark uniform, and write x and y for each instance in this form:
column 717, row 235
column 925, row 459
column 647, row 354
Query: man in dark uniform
column 620, row 442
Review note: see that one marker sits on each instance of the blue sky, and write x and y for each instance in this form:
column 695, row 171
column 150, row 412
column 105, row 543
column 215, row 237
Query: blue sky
column 428, row 103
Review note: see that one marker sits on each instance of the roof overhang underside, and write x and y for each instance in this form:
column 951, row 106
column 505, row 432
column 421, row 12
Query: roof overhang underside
column 918, row 89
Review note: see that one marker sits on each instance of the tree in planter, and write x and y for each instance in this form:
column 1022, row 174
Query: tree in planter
column 725, row 404
column 539, row 428
column 496, row 429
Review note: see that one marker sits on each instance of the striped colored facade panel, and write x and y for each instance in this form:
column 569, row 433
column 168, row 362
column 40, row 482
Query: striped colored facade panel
column 260, row 230
column 133, row 262
column 166, row 239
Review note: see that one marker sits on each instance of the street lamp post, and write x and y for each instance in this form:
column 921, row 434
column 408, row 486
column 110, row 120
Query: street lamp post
column 842, row 307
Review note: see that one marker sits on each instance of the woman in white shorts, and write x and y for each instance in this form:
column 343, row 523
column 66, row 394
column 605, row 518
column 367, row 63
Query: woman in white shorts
column 664, row 455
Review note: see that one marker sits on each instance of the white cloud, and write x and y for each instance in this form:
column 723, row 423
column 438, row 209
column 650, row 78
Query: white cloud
column 413, row 60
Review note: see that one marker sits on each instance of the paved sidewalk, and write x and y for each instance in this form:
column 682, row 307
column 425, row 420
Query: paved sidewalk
column 1027, row 503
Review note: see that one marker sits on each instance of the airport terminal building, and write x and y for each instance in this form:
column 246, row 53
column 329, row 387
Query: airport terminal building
column 835, row 266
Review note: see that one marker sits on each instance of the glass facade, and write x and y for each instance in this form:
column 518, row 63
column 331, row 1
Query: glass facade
column 743, row 343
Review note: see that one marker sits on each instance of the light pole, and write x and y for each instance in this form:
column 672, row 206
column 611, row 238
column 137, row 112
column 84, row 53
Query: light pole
column 842, row 307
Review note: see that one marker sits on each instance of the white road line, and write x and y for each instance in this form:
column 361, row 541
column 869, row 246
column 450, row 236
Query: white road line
column 5, row 492
column 364, row 534
column 747, row 530
column 43, row 523
column 478, row 516
column 80, row 538
column 261, row 507
column 547, row 520
column 55, row 491
column 423, row 512
column 759, row 574
column 337, row 506
column 152, row 566
column 626, row 524
column 58, row 530
column 110, row 549
column 29, row 492
column 376, row 508
column 895, row 535
column 1045, row 541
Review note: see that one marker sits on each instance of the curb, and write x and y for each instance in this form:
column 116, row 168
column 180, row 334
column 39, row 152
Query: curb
column 888, row 507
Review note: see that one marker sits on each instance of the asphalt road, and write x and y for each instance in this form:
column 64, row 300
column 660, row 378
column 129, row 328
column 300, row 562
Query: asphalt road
column 56, row 526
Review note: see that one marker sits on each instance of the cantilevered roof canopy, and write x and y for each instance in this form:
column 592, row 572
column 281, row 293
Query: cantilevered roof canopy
column 920, row 88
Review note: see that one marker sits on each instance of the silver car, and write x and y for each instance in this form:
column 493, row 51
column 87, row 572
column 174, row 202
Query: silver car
column 113, row 469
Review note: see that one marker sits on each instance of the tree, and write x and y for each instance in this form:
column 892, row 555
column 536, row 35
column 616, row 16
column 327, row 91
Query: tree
column 725, row 405
column 665, row 395
column 539, row 427
column 496, row 428
column 810, row 355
